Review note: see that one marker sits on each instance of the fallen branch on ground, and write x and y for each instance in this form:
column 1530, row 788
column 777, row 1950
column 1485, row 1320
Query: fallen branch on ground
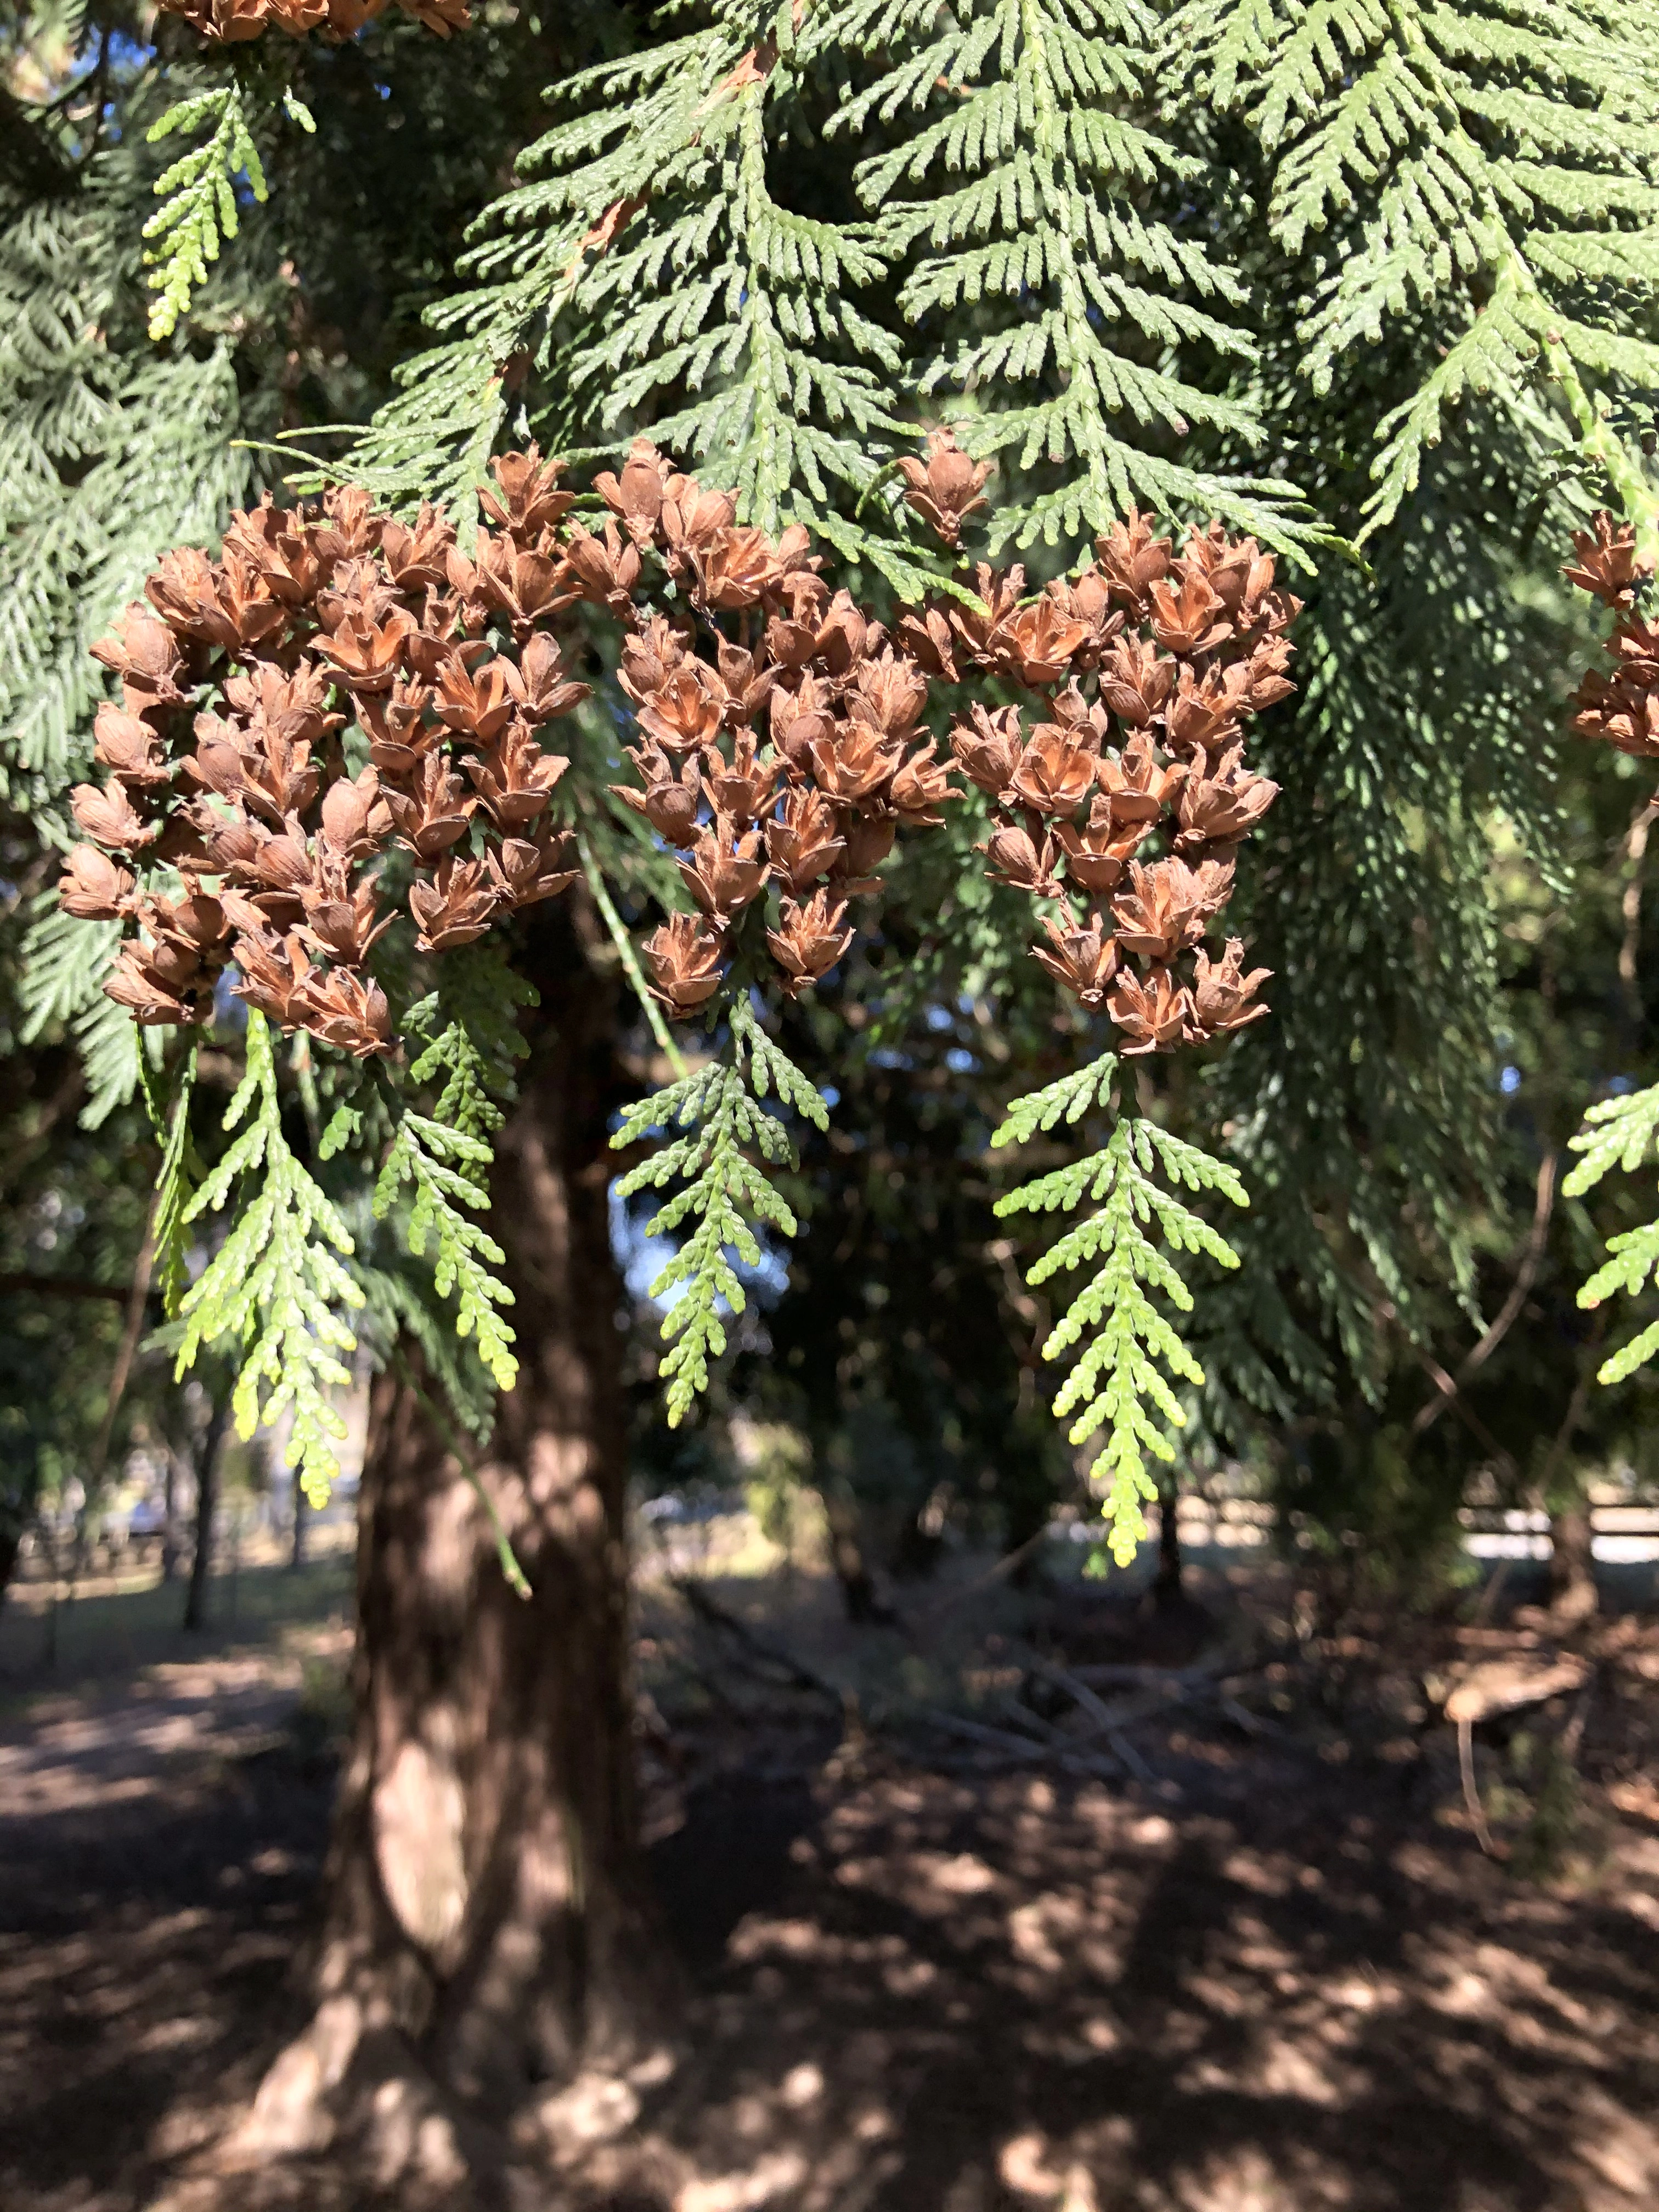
column 1068, row 1752
column 1141, row 1676
column 709, row 1607
column 1505, row 1686
column 1510, row 1685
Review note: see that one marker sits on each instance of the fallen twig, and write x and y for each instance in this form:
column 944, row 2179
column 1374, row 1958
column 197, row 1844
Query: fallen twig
column 1252, row 1723
column 1022, row 1717
column 1055, row 1748
column 1141, row 1676
column 1499, row 1685
column 1471, row 1790
column 1504, row 1686
column 1078, row 1690
column 709, row 1609
column 1447, row 1386
column 1004, row 1740
column 1123, row 1749
column 1005, row 1565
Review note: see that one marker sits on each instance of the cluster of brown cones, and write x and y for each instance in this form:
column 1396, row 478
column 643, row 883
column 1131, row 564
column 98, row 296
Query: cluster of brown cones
column 228, row 22
column 1621, row 709
column 340, row 720
column 231, row 763
column 1123, row 802
column 789, row 755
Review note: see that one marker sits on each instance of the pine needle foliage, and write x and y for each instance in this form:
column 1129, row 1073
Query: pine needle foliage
column 111, row 452
column 1620, row 1132
column 271, row 1295
column 54, row 961
column 104, row 463
column 1424, row 734
column 1366, row 1114
column 1482, row 175
column 725, row 301
column 724, row 1189
column 1120, row 1379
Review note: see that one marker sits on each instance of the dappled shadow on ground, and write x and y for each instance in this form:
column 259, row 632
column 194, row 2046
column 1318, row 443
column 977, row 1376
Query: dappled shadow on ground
column 116, row 1625
column 145, row 1939
column 1280, row 1986
column 1017, row 1993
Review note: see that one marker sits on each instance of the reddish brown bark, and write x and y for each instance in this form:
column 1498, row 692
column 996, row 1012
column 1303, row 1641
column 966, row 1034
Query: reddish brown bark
column 486, row 1927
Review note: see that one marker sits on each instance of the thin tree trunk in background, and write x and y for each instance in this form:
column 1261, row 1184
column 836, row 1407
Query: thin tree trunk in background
column 169, row 1507
column 1573, row 1593
column 486, row 1923
column 1166, row 1584
column 296, row 1558
column 126, row 1352
column 207, row 1505
column 848, row 1555
column 10, row 1543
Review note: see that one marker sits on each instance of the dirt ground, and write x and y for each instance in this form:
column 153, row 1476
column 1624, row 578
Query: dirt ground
column 1264, row 1968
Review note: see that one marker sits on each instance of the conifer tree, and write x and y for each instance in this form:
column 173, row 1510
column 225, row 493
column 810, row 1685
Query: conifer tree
column 1193, row 262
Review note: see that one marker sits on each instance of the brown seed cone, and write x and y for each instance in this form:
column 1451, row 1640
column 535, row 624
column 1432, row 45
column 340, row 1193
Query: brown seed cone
column 1606, row 563
column 684, row 958
column 92, row 887
column 1224, row 996
column 455, row 907
column 1154, row 1013
column 809, row 941
column 944, row 489
column 1082, row 958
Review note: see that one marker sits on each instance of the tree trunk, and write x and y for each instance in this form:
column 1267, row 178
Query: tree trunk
column 1573, row 1594
column 1166, row 1584
column 169, row 1507
column 11, row 1541
column 207, row 1506
column 296, row 1558
column 486, row 1926
column 860, row 1596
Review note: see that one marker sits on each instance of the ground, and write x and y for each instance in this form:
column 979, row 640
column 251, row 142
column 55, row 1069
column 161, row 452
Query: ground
column 1272, row 1972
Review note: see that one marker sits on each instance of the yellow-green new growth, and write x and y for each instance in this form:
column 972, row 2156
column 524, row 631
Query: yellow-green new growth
column 726, row 1192
column 176, row 1185
column 1620, row 1132
column 445, row 1156
column 199, row 195
column 1116, row 1383
column 272, row 1293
